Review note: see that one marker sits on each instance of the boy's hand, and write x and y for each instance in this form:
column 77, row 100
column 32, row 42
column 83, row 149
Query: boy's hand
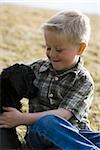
column 10, row 118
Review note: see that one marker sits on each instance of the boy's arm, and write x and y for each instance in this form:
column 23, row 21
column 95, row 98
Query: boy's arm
column 32, row 117
column 13, row 117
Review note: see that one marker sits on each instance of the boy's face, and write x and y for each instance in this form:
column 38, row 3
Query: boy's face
column 61, row 54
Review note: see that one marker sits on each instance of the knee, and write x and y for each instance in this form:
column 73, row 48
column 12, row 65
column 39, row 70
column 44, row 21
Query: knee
column 38, row 130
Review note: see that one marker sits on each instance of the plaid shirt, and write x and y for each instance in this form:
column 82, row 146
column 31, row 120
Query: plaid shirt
column 70, row 89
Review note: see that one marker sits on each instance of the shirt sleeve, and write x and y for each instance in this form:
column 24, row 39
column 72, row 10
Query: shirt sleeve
column 79, row 97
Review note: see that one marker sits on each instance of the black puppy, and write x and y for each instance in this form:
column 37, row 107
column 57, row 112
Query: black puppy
column 16, row 82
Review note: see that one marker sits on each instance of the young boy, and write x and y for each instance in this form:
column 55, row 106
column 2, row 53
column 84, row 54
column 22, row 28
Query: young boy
column 58, row 114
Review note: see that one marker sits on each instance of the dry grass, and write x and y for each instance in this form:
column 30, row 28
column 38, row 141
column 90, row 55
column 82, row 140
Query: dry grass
column 21, row 41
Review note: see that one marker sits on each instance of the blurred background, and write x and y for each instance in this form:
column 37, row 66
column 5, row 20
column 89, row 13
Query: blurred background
column 22, row 42
column 88, row 6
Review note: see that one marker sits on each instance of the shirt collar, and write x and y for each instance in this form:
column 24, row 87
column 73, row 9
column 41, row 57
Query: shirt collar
column 46, row 65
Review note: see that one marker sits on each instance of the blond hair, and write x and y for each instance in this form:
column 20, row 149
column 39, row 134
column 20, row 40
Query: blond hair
column 73, row 24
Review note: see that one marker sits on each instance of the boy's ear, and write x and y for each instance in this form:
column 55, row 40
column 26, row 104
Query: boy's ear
column 81, row 48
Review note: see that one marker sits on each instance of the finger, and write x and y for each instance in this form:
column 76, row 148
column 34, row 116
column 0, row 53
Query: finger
column 2, row 118
column 4, row 126
column 1, row 122
column 8, row 108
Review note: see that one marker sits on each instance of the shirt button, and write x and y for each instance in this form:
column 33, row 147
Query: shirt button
column 56, row 78
column 51, row 95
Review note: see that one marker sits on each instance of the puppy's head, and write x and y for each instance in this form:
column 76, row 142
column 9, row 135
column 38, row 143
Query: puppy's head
column 16, row 82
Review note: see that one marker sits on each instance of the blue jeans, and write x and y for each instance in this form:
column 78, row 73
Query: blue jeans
column 53, row 131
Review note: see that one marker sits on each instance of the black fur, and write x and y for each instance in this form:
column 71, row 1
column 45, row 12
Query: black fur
column 16, row 82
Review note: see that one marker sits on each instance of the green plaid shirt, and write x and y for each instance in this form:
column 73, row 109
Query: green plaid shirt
column 70, row 89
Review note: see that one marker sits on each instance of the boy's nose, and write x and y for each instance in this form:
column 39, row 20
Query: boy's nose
column 53, row 53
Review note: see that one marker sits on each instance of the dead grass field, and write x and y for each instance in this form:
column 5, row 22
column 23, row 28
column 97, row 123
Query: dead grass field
column 22, row 42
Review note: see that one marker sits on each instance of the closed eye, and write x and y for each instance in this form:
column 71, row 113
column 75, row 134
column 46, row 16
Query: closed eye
column 48, row 48
column 57, row 50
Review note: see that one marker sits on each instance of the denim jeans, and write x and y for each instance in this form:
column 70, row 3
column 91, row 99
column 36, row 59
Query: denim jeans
column 54, row 131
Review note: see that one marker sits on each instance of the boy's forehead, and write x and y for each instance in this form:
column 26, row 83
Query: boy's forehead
column 52, row 37
column 59, row 40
